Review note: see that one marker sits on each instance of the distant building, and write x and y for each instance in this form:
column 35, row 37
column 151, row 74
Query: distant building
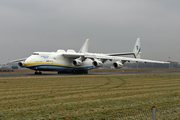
column 5, row 68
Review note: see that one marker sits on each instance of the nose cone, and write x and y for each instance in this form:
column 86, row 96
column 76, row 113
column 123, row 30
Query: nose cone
column 33, row 59
column 29, row 60
column 26, row 62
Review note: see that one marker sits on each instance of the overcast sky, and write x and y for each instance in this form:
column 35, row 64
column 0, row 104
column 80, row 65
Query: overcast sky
column 27, row 26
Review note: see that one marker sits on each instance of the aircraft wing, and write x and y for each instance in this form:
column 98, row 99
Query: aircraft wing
column 73, row 55
column 18, row 60
column 118, row 58
column 108, row 57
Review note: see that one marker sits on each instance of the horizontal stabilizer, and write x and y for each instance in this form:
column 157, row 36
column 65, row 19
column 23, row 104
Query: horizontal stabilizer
column 120, row 54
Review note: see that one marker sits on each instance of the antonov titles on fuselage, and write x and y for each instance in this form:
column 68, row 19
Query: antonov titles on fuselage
column 78, row 63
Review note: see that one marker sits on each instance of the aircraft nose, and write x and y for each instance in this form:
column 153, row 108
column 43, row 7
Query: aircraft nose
column 28, row 60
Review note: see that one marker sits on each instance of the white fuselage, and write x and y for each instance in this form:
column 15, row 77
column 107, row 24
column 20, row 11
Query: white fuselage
column 54, row 61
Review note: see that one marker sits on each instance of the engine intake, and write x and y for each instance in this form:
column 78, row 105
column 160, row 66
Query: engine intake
column 97, row 63
column 118, row 65
column 77, row 62
column 21, row 64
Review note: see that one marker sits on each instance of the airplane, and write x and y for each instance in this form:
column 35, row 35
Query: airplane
column 78, row 62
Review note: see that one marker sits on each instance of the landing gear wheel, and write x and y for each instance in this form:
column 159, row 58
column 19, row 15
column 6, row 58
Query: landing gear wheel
column 80, row 72
column 38, row 73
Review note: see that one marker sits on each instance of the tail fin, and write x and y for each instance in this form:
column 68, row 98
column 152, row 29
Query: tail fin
column 137, row 49
column 84, row 48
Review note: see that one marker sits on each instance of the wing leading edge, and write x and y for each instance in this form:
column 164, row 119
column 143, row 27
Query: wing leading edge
column 107, row 57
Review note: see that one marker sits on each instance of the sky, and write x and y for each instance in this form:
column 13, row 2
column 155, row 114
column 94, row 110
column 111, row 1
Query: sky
column 28, row 26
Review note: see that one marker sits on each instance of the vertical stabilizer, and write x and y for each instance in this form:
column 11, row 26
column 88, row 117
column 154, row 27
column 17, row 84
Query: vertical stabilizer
column 137, row 49
column 84, row 48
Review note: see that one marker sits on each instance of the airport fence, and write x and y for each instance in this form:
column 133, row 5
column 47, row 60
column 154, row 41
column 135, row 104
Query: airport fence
column 159, row 113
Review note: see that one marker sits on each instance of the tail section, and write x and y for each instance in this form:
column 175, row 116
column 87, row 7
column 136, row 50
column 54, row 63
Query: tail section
column 84, row 48
column 137, row 49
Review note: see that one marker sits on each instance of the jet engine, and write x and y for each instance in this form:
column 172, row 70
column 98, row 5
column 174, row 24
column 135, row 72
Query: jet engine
column 77, row 62
column 97, row 63
column 117, row 64
column 21, row 64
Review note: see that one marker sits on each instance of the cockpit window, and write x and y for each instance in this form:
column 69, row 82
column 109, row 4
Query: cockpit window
column 35, row 53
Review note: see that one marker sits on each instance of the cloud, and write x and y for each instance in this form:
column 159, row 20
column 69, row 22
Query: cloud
column 112, row 26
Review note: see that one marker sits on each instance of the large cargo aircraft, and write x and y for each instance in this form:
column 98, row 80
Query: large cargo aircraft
column 78, row 63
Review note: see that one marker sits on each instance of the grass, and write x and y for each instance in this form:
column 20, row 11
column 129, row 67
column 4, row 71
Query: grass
column 80, row 97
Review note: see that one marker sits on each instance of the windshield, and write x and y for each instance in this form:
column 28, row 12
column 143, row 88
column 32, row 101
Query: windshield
column 35, row 53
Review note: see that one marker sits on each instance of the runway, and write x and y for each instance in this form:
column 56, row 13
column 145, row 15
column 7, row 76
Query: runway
column 90, row 73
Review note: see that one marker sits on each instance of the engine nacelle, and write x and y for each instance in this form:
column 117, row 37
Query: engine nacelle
column 21, row 64
column 77, row 62
column 117, row 64
column 97, row 63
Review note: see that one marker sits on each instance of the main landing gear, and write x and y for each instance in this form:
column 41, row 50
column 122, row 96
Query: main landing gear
column 38, row 73
column 63, row 72
column 80, row 72
column 74, row 72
